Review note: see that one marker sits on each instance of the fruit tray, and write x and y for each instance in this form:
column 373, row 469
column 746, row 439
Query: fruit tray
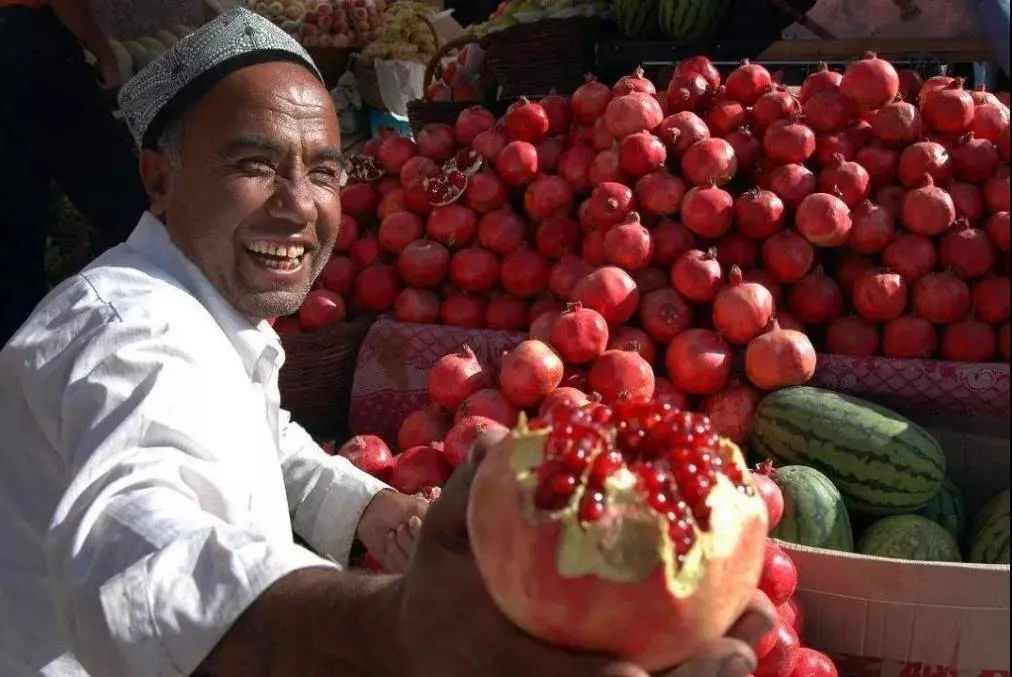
column 395, row 358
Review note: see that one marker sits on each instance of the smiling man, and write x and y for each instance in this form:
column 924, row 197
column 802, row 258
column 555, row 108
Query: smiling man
column 150, row 483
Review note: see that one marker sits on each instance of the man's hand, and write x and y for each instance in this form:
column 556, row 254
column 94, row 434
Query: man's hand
column 389, row 527
column 443, row 596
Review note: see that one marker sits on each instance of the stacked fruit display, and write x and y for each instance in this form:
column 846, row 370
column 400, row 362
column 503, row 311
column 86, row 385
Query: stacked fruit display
column 884, row 237
column 327, row 23
column 638, row 509
column 849, row 468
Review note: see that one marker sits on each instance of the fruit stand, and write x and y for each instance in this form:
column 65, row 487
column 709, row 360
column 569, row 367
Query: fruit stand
column 810, row 258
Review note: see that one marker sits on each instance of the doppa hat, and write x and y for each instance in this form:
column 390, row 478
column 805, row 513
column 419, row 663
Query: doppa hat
column 164, row 88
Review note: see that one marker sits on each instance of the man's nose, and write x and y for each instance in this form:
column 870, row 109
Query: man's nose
column 293, row 200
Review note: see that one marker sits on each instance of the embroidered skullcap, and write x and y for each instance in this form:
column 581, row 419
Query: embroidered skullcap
column 168, row 85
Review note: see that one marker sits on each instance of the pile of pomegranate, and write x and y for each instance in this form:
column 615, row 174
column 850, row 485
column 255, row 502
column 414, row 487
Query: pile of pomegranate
column 869, row 212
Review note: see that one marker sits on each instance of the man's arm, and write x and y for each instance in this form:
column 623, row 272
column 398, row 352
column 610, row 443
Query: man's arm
column 326, row 494
column 78, row 17
column 152, row 555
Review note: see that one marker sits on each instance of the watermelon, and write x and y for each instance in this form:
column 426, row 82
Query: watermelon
column 989, row 535
column 636, row 18
column 814, row 513
column 691, row 20
column 882, row 463
column 909, row 537
column 947, row 509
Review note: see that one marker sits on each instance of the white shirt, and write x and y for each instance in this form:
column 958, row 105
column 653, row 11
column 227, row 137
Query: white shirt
column 149, row 480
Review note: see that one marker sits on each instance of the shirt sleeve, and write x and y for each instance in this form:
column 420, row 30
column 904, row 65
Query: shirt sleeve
column 151, row 553
column 326, row 494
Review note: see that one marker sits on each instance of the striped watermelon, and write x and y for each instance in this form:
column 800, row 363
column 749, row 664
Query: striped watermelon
column 814, row 513
column 882, row 463
column 636, row 18
column 989, row 536
column 691, row 20
column 909, row 537
column 947, row 509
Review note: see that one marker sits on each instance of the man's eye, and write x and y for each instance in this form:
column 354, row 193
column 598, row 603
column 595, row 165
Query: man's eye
column 257, row 165
column 326, row 173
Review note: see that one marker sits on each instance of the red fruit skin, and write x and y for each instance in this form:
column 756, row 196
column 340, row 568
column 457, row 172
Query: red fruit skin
column 772, row 497
column 793, row 614
column 474, row 270
column 853, row 336
column 996, row 191
column 418, row 468
column 812, row 663
column 471, row 122
column 815, row 298
column 787, row 256
column 621, row 373
column 369, row 453
column 453, row 225
column 462, row 436
column 758, row 214
column 725, row 116
column 821, row 79
column 506, row 313
column 556, row 235
column 632, row 113
column 650, row 279
column 742, row 310
column 838, row 143
column 708, row 211
column 423, row 263
column 734, row 249
column 528, row 373
column 909, row 337
column 991, row 300
column 870, row 82
column 849, row 179
column 998, row 231
column 949, row 110
column 779, row 577
column 574, row 167
column 783, row 657
column 592, row 250
column 609, row 203
column 517, row 163
column 394, row 152
column 320, row 309
column 824, row 220
column 422, row 427
column 641, row 153
column 338, row 275
column 527, row 120
column 731, row 410
column 659, row 193
column 698, row 362
column 779, row 358
column 747, row 148
column 377, row 287
column 1003, row 341
column 541, row 327
column 792, row 183
column 562, row 396
column 941, row 297
column 564, row 275
column 697, row 276
column 924, row 157
column 910, row 255
column 634, row 339
column 681, row 130
column 455, row 377
column 969, row 340
column 927, row 210
column 709, row 160
column 967, row 251
column 399, row 229
column 611, row 292
column 776, row 104
column 502, row 231
column 547, row 196
column 827, row 111
column 485, row 193
column 747, row 83
column 347, row 233
column 664, row 314
column 590, row 100
column 897, row 124
column 417, row 305
column 789, row 141
column 873, row 228
column 701, row 65
column 436, row 141
column 365, row 251
column 524, row 273
column 974, row 160
column 671, row 240
column 880, row 163
column 879, row 295
column 760, row 276
column 580, row 334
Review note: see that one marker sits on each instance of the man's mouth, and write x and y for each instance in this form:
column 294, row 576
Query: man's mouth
column 276, row 255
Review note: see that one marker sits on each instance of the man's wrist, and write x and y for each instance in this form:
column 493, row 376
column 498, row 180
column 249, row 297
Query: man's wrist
column 380, row 629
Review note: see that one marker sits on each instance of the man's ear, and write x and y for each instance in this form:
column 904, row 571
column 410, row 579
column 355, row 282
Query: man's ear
column 156, row 174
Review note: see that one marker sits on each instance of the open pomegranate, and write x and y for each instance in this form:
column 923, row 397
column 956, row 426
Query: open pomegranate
column 637, row 516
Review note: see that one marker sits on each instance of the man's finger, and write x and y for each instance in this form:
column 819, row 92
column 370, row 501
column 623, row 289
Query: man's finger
column 446, row 520
column 395, row 559
column 758, row 619
column 726, row 657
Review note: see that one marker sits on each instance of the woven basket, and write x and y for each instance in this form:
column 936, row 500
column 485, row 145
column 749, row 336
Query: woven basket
column 316, row 378
column 531, row 59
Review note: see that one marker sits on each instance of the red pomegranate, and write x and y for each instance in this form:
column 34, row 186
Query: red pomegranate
column 701, row 65
column 948, row 110
column 556, row 235
column 847, row 180
column 816, row 298
column 376, row 288
column 698, row 362
column 910, row 255
column 789, row 141
column 880, row 295
column 821, row 79
column 991, row 300
column 747, row 83
column 517, row 546
column 517, row 163
column 420, row 468
column 417, row 305
column 611, row 292
column 941, row 297
column 632, row 113
column 709, row 161
column 634, row 339
column 697, row 275
column 792, row 183
column 880, row 162
column 463, row 310
column 969, row 340
column 824, row 220
column 464, row 433
column 967, row 251
column 928, row 209
column 924, row 157
column 659, row 193
column 974, row 160
column 621, row 374
column 776, row 104
column 590, row 100
column 526, row 120
column 779, row 358
column 870, row 82
column 758, row 213
column 897, row 124
column 787, row 256
column 528, row 373
column 454, row 377
column 681, row 130
column 909, row 337
column 664, row 314
column 422, row 427
column 852, row 335
column 506, row 312
column 437, row 142
column 827, row 111
column 731, row 410
column 708, row 211
column 579, row 334
column 423, row 263
column 873, row 228
column 741, row 310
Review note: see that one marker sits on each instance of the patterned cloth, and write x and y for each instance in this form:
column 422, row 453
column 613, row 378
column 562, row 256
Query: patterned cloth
column 207, row 51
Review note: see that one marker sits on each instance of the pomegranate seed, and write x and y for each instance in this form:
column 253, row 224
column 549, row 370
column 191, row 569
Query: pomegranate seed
column 659, row 501
column 563, row 484
column 576, row 460
column 654, row 478
column 546, row 498
column 604, row 465
column 592, row 507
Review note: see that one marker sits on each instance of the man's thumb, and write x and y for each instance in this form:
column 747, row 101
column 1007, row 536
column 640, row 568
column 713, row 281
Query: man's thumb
column 446, row 519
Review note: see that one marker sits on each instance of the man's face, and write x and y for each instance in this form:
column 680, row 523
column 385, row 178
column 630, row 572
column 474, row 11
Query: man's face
column 255, row 203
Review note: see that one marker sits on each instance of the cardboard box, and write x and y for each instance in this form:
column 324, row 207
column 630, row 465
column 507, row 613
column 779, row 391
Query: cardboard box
column 892, row 618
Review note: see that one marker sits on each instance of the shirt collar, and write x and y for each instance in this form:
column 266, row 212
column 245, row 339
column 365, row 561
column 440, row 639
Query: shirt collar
column 254, row 343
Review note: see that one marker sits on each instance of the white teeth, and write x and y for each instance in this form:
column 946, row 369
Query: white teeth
column 281, row 251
